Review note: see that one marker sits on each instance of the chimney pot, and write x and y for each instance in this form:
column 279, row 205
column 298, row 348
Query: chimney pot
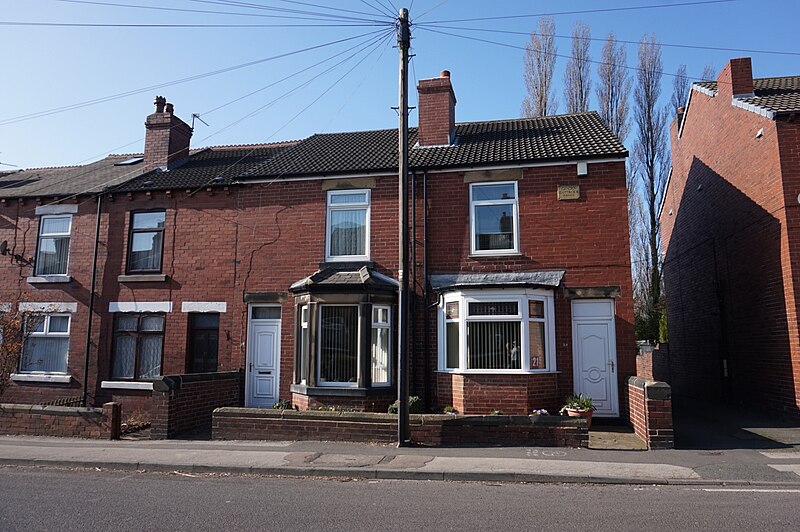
column 160, row 101
column 444, row 74
column 167, row 137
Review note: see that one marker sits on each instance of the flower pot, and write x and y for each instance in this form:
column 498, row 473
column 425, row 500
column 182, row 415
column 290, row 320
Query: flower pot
column 585, row 414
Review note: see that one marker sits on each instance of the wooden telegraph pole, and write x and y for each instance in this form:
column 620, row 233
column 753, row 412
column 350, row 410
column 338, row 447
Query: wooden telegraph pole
column 403, row 43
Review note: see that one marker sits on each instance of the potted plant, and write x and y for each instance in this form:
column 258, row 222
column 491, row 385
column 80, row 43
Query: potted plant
column 579, row 406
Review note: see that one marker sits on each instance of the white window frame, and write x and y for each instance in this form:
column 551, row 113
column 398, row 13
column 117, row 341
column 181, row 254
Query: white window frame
column 521, row 296
column 45, row 333
column 473, row 204
column 318, row 347
column 305, row 341
column 42, row 234
column 388, row 326
column 330, row 207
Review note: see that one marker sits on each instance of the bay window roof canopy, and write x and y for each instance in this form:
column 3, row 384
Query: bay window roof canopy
column 536, row 279
column 333, row 279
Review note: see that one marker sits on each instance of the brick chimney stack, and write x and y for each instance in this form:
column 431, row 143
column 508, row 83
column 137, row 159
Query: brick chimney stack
column 736, row 79
column 437, row 111
column 166, row 142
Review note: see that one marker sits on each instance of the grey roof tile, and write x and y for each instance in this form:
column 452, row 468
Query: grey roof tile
column 502, row 142
column 67, row 180
column 776, row 95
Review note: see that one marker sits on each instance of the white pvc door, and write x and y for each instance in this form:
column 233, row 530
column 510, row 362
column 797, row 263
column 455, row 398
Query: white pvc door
column 263, row 377
column 595, row 354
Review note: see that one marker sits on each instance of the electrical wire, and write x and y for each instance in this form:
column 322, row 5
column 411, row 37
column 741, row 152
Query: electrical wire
column 55, row 110
column 667, row 45
column 134, row 25
column 322, row 16
column 250, row 5
column 583, row 11
column 516, row 47
column 437, row 6
column 376, row 8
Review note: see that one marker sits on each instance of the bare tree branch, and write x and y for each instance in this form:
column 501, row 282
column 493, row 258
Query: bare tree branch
column 577, row 77
column 709, row 73
column 650, row 163
column 680, row 90
column 614, row 84
column 540, row 62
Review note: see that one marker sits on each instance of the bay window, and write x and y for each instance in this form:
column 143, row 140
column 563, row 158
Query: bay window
column 494, row 218
column 497, row 331
column 381, row 340
column 338, row 345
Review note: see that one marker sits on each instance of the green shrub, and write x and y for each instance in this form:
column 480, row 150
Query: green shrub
column 415, row 406
column 283, row 404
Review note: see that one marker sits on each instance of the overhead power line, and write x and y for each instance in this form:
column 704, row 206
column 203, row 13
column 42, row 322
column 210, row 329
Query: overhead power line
column 582, row 11
column 48, row 112
column 668, row 45
column 517, row 47
column 251, row 5
column 134, row 25
column 319, row 16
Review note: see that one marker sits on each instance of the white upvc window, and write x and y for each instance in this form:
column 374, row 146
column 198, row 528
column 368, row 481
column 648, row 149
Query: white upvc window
column 347, row 233
column 304, row 343
column 498, row 331
column 381, row 346
column 52, row 253
column 46, row 344
column 494, row 218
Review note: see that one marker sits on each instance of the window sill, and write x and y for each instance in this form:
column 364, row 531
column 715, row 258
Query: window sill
column 340, row 392
column 142, row 278
column 38, row 279
column 126, row 385
column 58, row 378
column 474, row 255
column 498, row 371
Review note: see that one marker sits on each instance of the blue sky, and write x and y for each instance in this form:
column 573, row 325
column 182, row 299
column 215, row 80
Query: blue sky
column 48, row 67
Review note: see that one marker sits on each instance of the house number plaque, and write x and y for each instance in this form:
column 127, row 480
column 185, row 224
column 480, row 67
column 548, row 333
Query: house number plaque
column 569, row 192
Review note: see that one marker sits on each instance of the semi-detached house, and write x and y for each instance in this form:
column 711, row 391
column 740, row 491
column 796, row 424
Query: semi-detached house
column 281, row 260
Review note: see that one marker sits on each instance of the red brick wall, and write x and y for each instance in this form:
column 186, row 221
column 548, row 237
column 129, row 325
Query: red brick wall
column 31, row 420
column 184, row 403
column 650, row 404
column 729, row 219
column 515, row 395
column 19, row 225
column 254, row 424
column 357, row 404
column 262, row 238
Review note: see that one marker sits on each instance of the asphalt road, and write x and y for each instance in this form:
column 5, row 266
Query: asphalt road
column 63, row 500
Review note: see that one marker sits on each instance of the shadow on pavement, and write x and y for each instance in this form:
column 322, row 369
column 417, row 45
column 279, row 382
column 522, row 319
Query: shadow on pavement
column 708, row 426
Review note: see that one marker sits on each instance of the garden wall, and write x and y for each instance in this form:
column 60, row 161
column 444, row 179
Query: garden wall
column 36, row 420
column 184, row 403
column 259, row 424
column 650, row 404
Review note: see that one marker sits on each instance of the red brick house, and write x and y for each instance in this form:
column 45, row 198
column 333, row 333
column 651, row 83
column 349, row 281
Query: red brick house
column 730, row 223
column 281, row 260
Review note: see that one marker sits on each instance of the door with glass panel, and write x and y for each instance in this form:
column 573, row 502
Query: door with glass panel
column 263, row 357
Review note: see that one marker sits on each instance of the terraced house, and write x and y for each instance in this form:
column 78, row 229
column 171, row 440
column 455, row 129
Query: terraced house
column 730, row 225
column 281, row 261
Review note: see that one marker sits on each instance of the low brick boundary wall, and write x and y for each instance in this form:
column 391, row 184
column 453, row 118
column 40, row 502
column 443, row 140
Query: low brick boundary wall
column 434, row 429
column 37, row 420
column 184, row 403
column 650, row 404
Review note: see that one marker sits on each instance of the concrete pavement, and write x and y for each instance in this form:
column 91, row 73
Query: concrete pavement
column 329, row 459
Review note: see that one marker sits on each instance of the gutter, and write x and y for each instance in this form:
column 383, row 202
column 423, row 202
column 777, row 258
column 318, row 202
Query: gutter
column 85, row 394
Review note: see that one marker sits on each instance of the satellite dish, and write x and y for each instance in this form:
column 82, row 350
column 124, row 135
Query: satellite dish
column 3, row 247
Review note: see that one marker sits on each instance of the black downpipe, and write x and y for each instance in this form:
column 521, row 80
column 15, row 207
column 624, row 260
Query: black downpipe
column 85, row 395
column 412, row 299
column 425, row 318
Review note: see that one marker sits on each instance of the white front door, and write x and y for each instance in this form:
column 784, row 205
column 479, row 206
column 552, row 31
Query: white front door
column 263, row 363
column 595, row 354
